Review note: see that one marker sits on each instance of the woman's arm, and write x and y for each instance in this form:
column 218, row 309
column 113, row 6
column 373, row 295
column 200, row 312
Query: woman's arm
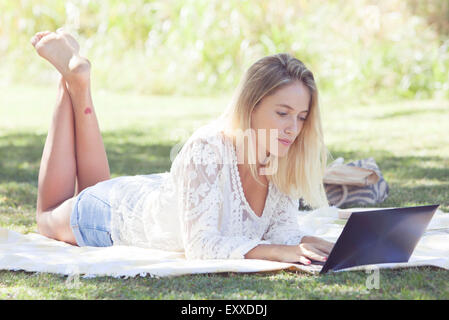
column 313, row 248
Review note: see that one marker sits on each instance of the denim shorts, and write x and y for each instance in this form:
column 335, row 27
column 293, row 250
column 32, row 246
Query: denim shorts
column 90, row 219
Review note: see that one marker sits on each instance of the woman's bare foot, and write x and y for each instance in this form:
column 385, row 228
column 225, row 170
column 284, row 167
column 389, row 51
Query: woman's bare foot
column 62, row 51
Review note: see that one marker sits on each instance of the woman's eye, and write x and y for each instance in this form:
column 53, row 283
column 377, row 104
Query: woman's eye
column 282, row 114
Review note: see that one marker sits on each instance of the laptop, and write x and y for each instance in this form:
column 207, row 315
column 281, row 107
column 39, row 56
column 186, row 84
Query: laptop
column 378, row 236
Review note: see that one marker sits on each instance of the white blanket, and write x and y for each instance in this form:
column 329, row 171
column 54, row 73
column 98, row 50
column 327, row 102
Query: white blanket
column 35, row 253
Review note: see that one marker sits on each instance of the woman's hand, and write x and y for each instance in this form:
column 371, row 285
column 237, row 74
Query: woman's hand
column 310, row 248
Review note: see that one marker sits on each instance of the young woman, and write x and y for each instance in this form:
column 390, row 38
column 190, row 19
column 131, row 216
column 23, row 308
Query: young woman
column 232, row 192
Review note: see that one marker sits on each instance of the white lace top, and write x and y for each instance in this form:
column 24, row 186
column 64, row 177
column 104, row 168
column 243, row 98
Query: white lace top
column 199, row 206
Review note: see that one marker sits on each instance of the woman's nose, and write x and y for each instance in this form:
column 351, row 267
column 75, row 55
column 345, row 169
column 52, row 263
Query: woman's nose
column 292, row 129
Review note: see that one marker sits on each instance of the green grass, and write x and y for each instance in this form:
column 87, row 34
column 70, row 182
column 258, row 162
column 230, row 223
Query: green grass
column 408, row 140
column 422, row 283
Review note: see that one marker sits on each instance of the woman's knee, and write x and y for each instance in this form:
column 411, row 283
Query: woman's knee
column 54, row 223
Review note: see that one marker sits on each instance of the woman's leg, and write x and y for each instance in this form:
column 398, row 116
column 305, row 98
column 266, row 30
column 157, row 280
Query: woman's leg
column 57, row 172
column 91, row 158
column 74, row 153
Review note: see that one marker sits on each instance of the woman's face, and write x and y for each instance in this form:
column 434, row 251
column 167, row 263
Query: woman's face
column 285, row 112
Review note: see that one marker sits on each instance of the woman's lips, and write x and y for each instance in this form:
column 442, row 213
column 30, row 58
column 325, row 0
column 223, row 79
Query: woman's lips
column 285, row 142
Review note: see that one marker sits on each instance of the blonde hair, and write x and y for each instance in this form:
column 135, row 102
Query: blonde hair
column 300, row 173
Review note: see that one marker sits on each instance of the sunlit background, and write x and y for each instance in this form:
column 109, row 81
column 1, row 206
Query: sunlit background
column 387, row 49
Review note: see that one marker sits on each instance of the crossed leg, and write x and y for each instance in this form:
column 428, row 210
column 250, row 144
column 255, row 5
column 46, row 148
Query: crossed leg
column 74, row 156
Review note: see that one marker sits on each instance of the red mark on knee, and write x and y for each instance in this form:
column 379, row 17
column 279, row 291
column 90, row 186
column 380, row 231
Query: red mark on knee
column 87, row 110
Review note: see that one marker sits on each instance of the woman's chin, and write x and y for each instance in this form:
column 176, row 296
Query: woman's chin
column 280, row 152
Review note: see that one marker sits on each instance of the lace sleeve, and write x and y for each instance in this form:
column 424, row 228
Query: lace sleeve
column 198, row 173
column 284, row 227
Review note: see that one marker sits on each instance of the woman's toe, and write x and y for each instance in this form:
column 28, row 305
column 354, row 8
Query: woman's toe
column 42, row 34
column 33, row 40
column 38, row 36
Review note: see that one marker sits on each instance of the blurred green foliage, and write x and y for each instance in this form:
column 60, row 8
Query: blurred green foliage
column 385, row 48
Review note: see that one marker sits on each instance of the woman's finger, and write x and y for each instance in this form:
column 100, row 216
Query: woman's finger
column 314, row 253
column 322, row 244
column 325, row 246
column 304, row 260
column 323, row 255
